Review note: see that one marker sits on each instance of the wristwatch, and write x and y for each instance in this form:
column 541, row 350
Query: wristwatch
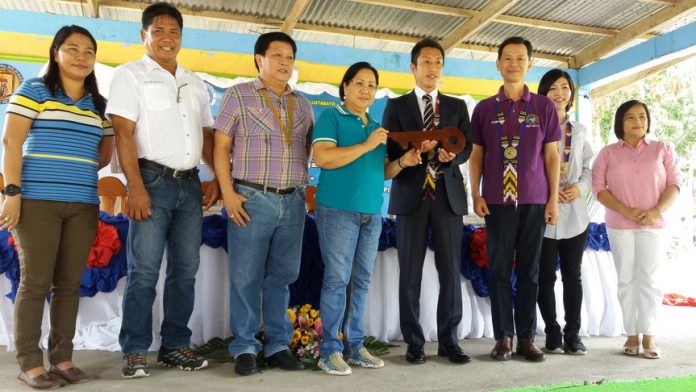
column 12, row 190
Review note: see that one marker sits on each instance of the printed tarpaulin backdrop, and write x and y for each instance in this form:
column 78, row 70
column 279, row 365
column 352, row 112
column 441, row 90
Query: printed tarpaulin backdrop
column 321, row 95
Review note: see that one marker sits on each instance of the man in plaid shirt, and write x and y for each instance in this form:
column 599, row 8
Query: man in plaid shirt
column 264, row 127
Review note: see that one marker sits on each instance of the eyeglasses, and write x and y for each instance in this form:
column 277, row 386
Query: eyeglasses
column 359, row 84
column 178, row 92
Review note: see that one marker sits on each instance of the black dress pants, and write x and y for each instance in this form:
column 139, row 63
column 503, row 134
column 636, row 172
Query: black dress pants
column 514, row 234
column 445, row 227
column 570, row 252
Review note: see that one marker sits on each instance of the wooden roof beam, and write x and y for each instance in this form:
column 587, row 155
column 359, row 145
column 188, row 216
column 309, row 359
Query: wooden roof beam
column 625, row 81
column 92, row 8
column 294, row 15
column 515, row 20
column 492, row 10
column 631, row 32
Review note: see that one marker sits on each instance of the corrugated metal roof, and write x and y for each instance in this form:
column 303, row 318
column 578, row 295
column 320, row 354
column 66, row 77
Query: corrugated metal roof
column 545, row 41
column 611, row 14
column 378, row 19
column 365, row 22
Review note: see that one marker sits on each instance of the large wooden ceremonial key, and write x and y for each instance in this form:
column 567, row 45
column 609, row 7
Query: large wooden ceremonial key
column 450, row 138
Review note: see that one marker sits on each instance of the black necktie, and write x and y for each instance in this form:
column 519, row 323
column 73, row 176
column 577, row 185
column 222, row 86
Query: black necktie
column 428, row 113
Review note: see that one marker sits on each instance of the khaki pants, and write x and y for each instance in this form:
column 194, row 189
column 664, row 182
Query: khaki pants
column 53, row 239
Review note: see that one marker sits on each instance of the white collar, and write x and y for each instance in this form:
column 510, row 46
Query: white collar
column 420, row 93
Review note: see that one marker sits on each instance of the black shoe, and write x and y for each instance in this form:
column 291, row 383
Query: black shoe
column 554, row 344
column 415, row 354
column 246, row 364
column 573, row 345
column 284, row 360
column 182, row 358
column 454, row 353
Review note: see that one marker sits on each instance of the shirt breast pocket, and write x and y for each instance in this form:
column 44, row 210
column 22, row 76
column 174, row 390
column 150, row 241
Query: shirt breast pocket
column 156, row 97
column 260, row 121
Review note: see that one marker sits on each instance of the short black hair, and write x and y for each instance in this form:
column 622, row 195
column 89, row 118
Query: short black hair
column 515, row 41
column 350, row 74
column 154, row 10
column 621, row 112
column 426, row 43
column 265, row 40
column 550, row 78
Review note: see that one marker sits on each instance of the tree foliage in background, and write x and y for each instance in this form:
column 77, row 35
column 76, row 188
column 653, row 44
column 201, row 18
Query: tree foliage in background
column 671, row 98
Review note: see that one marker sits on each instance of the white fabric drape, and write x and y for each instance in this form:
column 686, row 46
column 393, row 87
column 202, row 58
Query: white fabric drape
column 99, row 318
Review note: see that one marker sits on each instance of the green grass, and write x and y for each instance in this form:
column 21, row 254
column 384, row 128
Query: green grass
column 671, row 384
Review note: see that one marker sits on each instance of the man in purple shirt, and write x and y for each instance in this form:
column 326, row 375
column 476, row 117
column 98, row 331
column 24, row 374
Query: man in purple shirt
column 515, row 153
column 265, row 126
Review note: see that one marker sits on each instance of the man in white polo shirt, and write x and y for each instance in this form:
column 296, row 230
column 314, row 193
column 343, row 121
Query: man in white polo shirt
column 160, row 115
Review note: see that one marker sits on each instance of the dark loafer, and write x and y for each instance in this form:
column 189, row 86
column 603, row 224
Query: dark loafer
column 529, row 350
column 454, row 353
column 72, row 375
column 415, row 354
column 44, row 381
column 502, row 350
column 246, row 364
column 284, row 360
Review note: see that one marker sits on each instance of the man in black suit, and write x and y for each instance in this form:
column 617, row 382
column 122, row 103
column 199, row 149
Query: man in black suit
column 429, row 197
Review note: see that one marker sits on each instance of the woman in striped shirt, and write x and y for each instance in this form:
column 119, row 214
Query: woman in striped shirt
column 54, row 144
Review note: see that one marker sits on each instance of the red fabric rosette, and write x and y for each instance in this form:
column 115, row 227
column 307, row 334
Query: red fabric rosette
column 106, row 245
column 674, row 299
column 478, row 250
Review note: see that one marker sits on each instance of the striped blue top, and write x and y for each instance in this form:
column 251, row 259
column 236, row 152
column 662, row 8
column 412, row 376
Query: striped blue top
column 61, row 151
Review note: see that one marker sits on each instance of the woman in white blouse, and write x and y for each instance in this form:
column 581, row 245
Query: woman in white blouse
column 566, row 239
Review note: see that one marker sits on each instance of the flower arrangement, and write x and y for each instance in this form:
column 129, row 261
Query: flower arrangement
column 307, row 333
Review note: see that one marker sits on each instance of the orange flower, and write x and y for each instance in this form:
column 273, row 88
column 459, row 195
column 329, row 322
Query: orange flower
column 310, row 321
column 313, row 313
column 293, row 343
column 310, row 336
column 304, row 340
column 296, row 335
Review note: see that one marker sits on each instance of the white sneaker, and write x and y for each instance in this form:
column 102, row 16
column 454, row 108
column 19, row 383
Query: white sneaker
column 335, row 365
column 363, row 358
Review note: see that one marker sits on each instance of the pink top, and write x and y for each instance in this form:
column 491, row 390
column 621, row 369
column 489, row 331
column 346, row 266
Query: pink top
column 636, row 177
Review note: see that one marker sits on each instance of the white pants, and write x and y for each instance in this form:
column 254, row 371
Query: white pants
column 637, row 255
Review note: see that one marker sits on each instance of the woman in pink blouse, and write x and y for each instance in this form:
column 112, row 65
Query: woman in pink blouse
column 637, row 180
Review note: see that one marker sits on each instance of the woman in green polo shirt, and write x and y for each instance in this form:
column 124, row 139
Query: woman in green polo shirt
column 350, row 148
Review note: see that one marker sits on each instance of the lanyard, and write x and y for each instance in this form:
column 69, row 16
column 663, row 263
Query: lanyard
column 510, row 140
column 568, row 137
column 286, row 130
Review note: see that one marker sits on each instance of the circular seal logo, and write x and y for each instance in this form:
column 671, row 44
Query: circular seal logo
column 10, row 79
column 212, row 97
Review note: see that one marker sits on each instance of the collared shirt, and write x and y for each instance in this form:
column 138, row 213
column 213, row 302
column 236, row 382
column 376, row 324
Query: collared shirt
column 542, row 127
column 573, row 218
column 260, row 153
column 169, row 111
column 636, row 176
column 61, row 152
column 421, row 104
column 359, row 185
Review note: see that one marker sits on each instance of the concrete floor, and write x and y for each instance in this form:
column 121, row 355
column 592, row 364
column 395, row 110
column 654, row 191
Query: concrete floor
column 604, row 361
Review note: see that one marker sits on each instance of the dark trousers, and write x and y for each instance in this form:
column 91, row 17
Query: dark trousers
column 411, row 238
column 570, row 253
column 514, row 233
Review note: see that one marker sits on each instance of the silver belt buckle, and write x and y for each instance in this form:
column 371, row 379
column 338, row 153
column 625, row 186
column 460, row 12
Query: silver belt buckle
column 177, row 173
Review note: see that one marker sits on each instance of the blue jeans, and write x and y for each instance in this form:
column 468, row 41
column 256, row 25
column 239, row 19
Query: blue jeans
column 264, row 259
column 348, row 242
column 176, row 221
